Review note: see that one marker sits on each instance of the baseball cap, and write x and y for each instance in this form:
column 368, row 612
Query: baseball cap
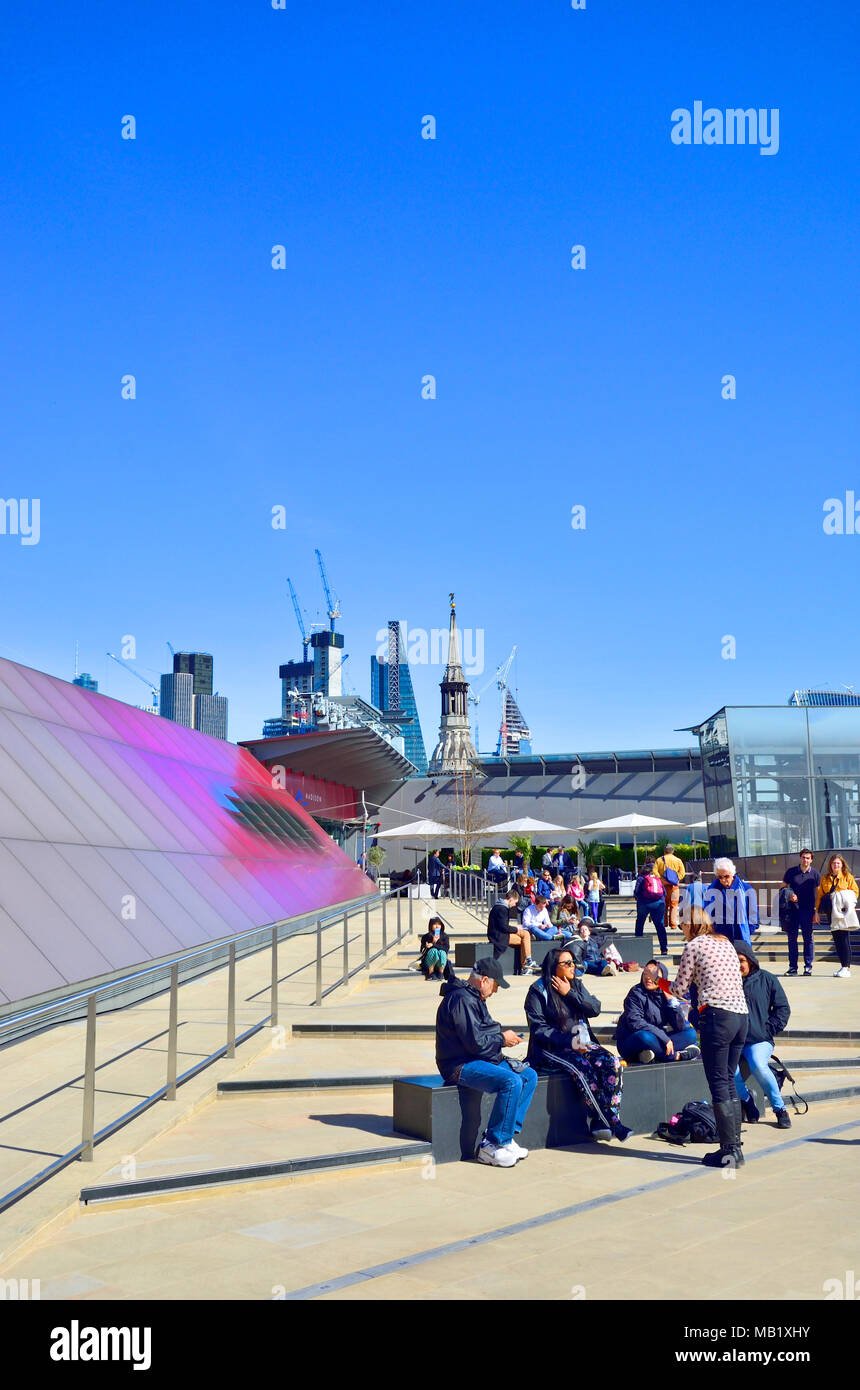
column 492, row 969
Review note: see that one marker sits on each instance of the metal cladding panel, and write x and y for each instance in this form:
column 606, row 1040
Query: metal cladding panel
column 125, row 838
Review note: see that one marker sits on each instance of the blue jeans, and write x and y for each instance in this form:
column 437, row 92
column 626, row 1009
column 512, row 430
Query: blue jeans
column 800, row 921
column 513, row 1091
column 758, row 1055
column 643, row 1041
column 542, row 934
column 594, row 910
column 656, row 910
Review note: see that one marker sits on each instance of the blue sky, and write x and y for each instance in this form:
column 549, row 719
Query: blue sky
column 405, row 256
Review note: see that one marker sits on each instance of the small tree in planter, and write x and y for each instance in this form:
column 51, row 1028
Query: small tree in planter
column 376, row 858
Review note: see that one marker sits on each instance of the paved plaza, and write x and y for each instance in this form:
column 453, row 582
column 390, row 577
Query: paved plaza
column 641, row 1220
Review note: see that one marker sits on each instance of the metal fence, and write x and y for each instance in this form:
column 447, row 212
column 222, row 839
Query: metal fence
column 396, row 923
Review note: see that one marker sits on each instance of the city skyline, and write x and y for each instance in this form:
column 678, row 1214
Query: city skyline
column 580, row 287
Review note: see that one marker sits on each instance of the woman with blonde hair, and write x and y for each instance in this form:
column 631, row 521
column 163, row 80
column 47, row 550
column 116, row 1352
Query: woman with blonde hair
column 836, row 881
column 710, row 962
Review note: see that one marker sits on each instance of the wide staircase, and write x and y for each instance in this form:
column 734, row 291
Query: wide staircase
column 321, row 1100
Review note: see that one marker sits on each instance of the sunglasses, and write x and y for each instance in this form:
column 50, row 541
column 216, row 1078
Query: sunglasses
column 566, row 962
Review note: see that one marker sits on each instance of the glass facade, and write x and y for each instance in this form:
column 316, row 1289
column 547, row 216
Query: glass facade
column 779, row 778
column 125, row 837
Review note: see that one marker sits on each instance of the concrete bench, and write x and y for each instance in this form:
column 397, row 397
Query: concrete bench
column 629, row 947
column 452, row 1118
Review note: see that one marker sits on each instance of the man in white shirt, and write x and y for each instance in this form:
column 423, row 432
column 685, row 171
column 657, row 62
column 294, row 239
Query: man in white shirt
column 497, row 869
column 537, row 922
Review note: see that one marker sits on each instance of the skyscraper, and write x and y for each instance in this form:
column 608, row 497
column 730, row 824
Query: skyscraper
column 385, row 698
column 177, row 698
column 199, row 665
column 455, row 751
column 210, row 715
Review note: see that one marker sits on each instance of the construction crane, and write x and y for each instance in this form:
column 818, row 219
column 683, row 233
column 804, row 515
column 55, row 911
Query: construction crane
column 299, row 620
column 125, row 666
column 500, row 679
column 172, row 652
column 333, row 610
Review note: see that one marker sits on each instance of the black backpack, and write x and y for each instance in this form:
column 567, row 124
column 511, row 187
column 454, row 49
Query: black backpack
column 696, row 1124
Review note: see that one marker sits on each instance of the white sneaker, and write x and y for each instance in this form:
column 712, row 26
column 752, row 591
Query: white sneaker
column 517, row 1149
column 497, row 1158
column 843, row 974
column 647, row 1055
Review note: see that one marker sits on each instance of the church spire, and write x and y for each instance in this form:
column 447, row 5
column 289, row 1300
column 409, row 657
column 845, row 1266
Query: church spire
column 455, row 751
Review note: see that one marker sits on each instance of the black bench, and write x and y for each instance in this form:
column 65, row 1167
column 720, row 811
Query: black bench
column 453, row 1118
column 629, row 947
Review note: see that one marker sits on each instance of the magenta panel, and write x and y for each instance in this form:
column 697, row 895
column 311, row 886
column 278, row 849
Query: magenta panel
column 135, row 838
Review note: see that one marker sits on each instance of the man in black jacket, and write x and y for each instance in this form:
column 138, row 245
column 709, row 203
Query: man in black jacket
column 503, row 931
column 769, row 1012
column 652, row 1024
column 469, row 1046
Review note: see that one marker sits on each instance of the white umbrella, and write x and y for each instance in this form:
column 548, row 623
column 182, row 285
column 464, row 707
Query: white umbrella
column 425, row 830
column 524, row 826
column 422, row 829
column 634, row 821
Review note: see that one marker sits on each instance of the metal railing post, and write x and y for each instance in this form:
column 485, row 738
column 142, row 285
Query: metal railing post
column 399, row 930
column 274, row 1008
column 345, row 947
column 88, row 1127
column 384, row 926
column 319, row 962
column 411, row 906
column 172, row 1030
column 366, row 935
column 231, row 1002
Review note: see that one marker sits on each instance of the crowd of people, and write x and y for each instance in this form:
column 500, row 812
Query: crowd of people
column 722, row 1005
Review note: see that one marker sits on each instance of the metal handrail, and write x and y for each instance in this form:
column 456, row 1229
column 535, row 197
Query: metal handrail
column 68, row 1000
column 90, row 1137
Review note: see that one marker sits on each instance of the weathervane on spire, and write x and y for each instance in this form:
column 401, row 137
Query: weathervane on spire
column 451, row 597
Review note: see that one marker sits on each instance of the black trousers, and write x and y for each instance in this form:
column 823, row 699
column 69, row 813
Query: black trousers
column 842, row 942
column 722, row 1035
column 800, row 922
column 435, row 886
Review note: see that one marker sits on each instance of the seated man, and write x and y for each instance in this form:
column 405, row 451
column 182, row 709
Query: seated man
column 469, row 1046
column 651, row 1025
column 537, row 921
column 503, row 930
column 497, row 870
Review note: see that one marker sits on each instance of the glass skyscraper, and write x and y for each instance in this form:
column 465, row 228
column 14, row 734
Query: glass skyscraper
column 412, row 735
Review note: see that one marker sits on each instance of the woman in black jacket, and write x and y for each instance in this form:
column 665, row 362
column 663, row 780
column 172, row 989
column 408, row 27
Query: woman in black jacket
column 435, row 950
column 769, row 1012
column 560, row 1040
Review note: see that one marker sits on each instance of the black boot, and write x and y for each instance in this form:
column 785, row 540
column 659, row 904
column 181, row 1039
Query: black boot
column 751, row 1112
column 727, row 1114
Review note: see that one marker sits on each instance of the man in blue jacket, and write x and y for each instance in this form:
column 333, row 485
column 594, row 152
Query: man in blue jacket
column 652, row 1025
column 434, row 873
column 469, row 1046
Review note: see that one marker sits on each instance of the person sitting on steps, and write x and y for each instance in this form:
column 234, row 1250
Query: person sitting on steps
column 503, row 930
column 435, row 951
column 558, row 1007
column 769, row 1012
column 651, row 1025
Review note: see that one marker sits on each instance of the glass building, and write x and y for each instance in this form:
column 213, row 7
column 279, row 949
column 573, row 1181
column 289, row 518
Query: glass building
column 778, row 778
column 412, row 736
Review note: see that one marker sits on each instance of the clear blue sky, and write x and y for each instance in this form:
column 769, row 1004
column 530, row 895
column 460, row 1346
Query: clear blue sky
column 601, row 387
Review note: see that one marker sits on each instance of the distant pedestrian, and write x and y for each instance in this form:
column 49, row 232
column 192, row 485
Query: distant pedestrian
column 801, row 882
column 650, row 902
column 595, row 887
column 435, row 874
column 670, row 870
column 836, row 890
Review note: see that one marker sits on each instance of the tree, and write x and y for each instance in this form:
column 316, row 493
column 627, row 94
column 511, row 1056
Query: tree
column 471, row 814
